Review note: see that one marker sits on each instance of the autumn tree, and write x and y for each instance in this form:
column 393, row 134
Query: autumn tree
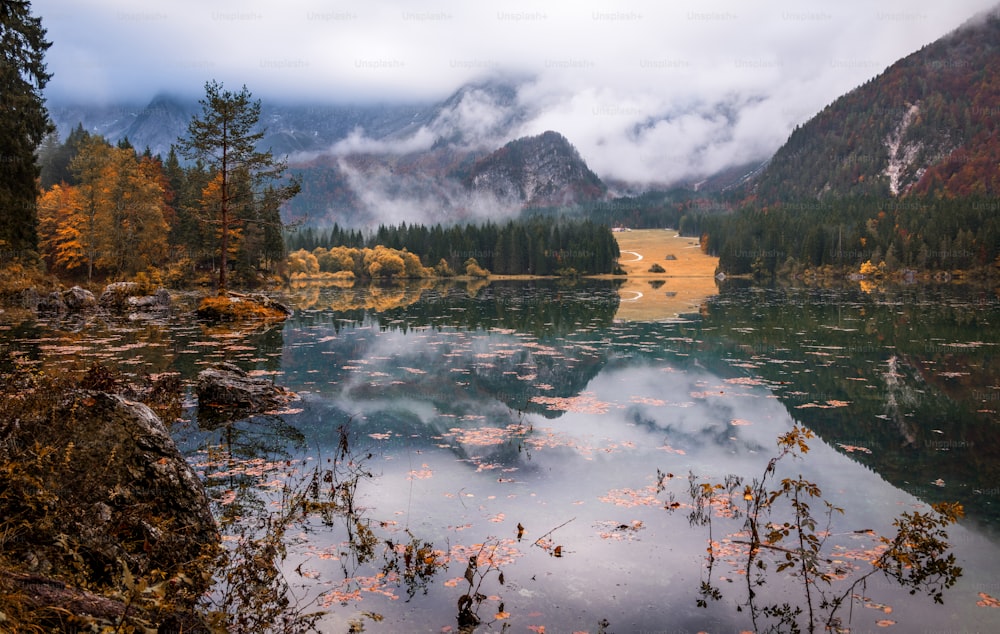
column 61, row 226
column 88, row 167
column 24, row 122
column 225, row 137
column 119, row 217
column 132, row 228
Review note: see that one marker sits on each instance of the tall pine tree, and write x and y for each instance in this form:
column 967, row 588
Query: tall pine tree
column 24, row 122
column 225, row 137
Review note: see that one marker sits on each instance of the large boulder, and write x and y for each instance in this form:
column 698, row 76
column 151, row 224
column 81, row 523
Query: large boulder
column 117, row 294
column 78, row 298
column 122, row 296
column 227, row 393
column 102, row 488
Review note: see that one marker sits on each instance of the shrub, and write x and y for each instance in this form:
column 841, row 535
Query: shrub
column 472, row 269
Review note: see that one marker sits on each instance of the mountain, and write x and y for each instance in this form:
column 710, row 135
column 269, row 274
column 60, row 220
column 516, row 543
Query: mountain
column 289, row 129
column 444, row 184
column 539, row 171
column 927, row 125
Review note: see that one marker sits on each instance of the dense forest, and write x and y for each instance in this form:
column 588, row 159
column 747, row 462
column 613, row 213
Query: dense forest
column 927, row 125
column 917, row 233
column 528, row 246
column 109, row 212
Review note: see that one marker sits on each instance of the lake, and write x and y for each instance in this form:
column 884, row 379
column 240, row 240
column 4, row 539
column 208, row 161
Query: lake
column 534, row 427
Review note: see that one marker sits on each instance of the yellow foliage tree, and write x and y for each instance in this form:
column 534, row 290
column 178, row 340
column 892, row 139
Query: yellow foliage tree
column 472, row 269
column 114, row 219
column 61, row 226
column 412, row 266
column 869, row 269
column 302, row 262
column 132, row 227
column 383, row 262
column 337, row 259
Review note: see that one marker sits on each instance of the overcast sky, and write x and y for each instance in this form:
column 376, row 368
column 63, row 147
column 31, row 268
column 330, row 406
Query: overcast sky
column 638, row 87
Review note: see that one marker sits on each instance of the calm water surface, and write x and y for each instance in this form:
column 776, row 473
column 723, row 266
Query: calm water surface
column 524, row 421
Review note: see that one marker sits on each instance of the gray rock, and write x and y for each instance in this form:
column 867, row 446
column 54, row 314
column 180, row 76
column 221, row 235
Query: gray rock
column 226, row 393
column 158, row 301
column 116, row 294
column 78, row 298
column 128, row 296
column 52, row 303
column 118, row 488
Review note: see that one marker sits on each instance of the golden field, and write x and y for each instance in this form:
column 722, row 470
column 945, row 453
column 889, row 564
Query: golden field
column 683, row 287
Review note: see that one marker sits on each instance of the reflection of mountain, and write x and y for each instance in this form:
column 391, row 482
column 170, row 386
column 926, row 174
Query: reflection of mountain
column 898, row 382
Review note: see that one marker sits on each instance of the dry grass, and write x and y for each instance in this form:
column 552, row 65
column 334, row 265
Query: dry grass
column 240, row 308
column 683, row 287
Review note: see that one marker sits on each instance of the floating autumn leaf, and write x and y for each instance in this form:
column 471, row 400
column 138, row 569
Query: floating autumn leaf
column 501, row 616
column 585, row 403
column 644, row 400
column 632, row 497
column 745, row 380
column 619, row 532
column 667, row 448
column 853, row 448
column 420, row 474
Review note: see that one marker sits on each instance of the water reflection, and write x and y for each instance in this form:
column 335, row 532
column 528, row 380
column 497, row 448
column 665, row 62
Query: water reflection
column 530, row 405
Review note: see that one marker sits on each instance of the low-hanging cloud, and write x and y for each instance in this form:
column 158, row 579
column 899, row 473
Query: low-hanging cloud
column 386, row 196
column 647, row 91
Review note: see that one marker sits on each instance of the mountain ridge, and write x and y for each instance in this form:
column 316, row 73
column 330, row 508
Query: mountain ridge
column 926, row 125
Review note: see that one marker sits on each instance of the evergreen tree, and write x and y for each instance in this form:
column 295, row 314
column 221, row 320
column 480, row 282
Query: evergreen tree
column 224, row 137
column 23, row 125
column 54, row 158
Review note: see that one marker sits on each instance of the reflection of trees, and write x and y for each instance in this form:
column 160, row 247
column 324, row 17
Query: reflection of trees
column 543, row 308
column 827, row 355
column 253, row 591
column 351, row 296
